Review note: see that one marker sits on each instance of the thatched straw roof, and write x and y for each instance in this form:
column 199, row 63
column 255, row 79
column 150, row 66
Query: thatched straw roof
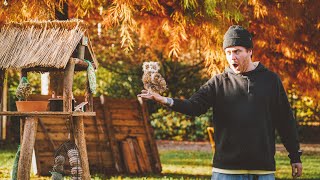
column 40, row 43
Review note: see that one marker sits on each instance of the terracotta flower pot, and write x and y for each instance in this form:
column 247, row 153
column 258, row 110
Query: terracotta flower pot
column 30, row 106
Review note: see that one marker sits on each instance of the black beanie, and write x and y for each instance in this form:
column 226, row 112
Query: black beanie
column 237, row 36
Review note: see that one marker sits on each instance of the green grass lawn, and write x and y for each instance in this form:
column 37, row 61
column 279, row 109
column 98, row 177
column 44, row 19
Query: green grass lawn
column 178, row 164
column 7, row 155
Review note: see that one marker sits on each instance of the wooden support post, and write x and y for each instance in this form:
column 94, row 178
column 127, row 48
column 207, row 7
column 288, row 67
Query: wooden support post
column 29, row 134
column 68, row 82
column 2, row 73
column 21, row 129
column 88, row 95
column 210, row 134
column 81, row 143
column 2, row 84
column 154, row 150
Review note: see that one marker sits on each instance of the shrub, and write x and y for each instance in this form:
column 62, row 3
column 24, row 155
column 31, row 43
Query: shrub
column 170, row 125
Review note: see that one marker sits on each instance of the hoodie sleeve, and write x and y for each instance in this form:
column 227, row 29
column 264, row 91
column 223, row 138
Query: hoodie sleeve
column 199, row 102
column 286, row 124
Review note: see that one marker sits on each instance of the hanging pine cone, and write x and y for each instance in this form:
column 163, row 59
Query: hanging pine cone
column 73, row 153
column 59, row 160
column 58, row 168
column 76, row 171
column 56, row 176
column 74, row 161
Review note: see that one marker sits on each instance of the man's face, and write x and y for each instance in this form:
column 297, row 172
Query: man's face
column 238, row 58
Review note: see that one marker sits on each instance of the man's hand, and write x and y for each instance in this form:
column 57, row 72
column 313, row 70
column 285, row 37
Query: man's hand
column 296, row 169
column 153, row 96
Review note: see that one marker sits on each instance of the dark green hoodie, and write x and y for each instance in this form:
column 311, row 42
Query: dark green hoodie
column 247, row 109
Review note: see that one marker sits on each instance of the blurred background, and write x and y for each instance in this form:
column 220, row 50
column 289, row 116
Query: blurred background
column 185, row 37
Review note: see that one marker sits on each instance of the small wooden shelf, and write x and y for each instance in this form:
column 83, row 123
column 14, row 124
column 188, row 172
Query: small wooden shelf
column 47, row 113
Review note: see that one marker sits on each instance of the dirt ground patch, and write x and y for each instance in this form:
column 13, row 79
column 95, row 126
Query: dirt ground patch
column 183, row 145
column 206, row 146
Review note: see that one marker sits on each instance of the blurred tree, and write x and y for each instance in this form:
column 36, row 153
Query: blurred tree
column 191, row 31
column 284, row 34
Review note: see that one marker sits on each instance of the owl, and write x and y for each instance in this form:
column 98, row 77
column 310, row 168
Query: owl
column 152, row 80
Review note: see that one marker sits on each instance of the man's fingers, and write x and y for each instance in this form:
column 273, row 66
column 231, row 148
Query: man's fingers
column 296, row 169
column 299, row 172
column 144, row 91
column 145, row 95
column 293, row 170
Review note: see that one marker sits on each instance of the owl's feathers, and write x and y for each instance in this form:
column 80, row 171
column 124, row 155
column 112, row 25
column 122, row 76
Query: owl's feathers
column 152, row 80
column 150, row 66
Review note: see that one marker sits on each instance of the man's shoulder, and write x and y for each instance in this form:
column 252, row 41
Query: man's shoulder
column 218, row 77
column 272, row 74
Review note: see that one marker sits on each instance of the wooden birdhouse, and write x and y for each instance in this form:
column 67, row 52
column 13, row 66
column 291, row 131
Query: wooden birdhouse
column 48, row 46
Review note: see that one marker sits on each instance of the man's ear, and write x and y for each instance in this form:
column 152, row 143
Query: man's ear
column 250, row 51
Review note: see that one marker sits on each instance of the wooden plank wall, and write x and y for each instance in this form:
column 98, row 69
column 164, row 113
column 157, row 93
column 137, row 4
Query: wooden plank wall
column 98, row 146
column 126, row 122
column 57, row 133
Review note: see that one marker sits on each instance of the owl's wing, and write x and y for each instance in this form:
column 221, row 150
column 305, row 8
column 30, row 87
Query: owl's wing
column 159, row 83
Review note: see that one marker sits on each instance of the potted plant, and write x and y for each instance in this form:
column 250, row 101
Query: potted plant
column 22, row 93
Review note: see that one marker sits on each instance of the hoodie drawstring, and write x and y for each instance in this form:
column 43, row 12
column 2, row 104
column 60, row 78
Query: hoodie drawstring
column 246, row 77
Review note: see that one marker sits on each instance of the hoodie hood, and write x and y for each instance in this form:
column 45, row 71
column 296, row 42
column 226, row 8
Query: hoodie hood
column 259, row 68
column 249, row 76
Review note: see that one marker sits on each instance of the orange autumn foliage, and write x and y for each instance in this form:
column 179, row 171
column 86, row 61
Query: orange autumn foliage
column 285, row 33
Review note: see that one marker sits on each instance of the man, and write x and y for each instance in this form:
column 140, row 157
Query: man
column 249, row 103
